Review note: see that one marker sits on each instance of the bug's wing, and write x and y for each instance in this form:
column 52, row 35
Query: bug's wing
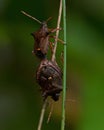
column 44, row 43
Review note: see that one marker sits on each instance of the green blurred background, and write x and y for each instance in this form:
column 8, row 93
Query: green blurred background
column 20, row 98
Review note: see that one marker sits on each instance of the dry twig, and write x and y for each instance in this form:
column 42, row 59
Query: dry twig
column 57, row 32
column 53, row 59
column 42, row 115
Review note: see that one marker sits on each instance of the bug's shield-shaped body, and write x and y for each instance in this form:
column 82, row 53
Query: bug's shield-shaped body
column 49, row 77
column 41, row 41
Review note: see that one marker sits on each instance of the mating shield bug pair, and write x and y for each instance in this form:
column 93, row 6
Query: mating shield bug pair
column 48, row 75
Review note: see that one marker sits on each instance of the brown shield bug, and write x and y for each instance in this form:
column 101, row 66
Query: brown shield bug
column 49, row 77
column 41, row 38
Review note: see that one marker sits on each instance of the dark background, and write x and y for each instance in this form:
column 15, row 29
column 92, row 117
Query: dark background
column 20, row 98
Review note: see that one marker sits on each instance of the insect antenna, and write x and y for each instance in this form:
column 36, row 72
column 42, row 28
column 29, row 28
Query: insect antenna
column 48, row 19
column 23, row 12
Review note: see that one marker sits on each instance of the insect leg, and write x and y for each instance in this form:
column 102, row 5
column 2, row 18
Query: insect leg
column 57, row 39
column 51, row 47
column 53, row 30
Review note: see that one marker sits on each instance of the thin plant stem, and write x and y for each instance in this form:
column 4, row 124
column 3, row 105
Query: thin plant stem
column 57, row 32
column 64, row 69
column 50, row 113
column 42, row 115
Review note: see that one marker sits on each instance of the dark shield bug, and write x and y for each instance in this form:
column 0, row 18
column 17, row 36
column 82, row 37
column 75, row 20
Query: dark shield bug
column 49, row 77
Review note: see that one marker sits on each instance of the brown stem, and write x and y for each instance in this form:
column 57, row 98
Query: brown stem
column 57, row 32
column 53, row 59
column 42, row 115
column 50, row 113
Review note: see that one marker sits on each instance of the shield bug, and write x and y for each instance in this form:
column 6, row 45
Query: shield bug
column 49, row 77
column 41, row 38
